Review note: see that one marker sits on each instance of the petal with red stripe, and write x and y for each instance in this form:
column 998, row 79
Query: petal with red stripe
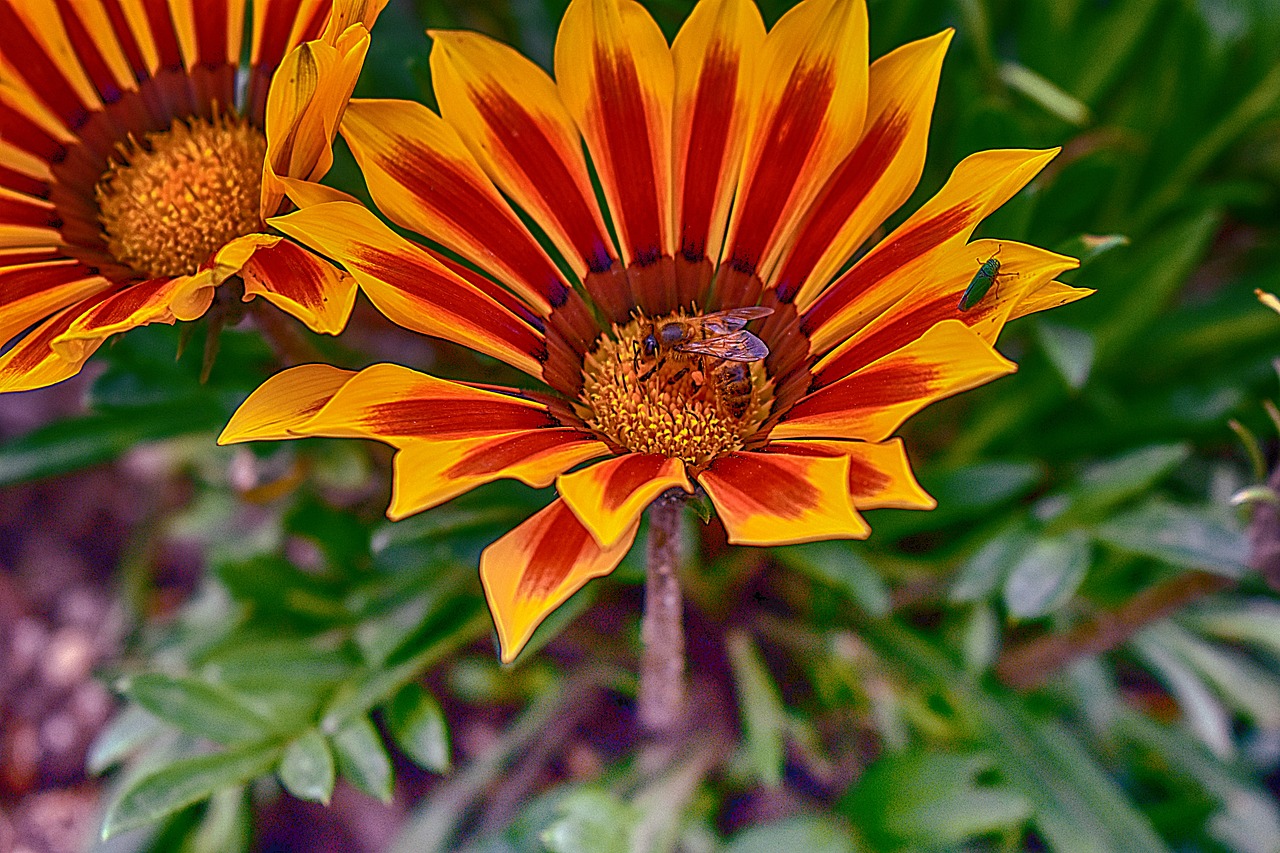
column 783, row 499
column 411, row 287
column 422, row 176
column 38, row 52
column 809, row 115
column 33, row 362
column 715, row 87
column 535, row 568
column 279, row 406
column 615, row 75
column 428, row 473
column 609, row 497
column 508, row 112
column 136, row 305
column 32, row 292
column 880, row 475
column 933, row 294
column 978, row 186
column 302, row 284
column 873, row 402
column 877, row 176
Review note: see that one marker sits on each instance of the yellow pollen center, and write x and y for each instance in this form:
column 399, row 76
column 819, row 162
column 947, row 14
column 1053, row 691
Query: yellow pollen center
column 671, row 403
column 169, row 202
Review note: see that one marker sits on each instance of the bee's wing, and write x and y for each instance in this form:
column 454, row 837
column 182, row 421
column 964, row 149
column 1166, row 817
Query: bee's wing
column 724, row 322
column 735, row 346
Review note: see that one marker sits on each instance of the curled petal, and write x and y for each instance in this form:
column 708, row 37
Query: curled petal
column 609, row 497
column 33, row 362
column 302, row 284
column 278, row 408
column 873, row 402
column 783, row 499
column 535, row 568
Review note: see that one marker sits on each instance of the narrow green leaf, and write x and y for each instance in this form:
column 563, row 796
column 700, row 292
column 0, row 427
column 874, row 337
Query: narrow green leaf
column 806, row 834
column 1105, row 485
column 1045, row 93
column 1070, row 350
column 225, row 826
column 1180, row 536
column 417, row 723
column 306, row 770
column 1047, row 576
column 1203, row 712
column 983, row 573
column 127, row 731
column 764, row 718
column 196, row 707
column 363, row 759
column 154, row 796
column 838, row 564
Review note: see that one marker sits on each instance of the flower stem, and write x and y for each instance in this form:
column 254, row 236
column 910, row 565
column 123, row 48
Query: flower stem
column 662, row 686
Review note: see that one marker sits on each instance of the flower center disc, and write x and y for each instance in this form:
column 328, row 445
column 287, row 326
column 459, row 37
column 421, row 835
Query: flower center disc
column 671, row 403
column 169, row 202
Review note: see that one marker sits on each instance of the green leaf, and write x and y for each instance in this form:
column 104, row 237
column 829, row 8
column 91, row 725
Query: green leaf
column 838, row 564
column 363, row 759
column 1047, row 576
column 196, row 707
column 1202, row 711
column 1180, row 536
column 154, row 796
column 806, row 834
column 417, row 723
column 764, row 718
column 934, row 798
column 1070, row 350
column 127, row 731
column 1105, row 485
column 306, row 770
column 592, row 821
column 983, row 573
column 1045, row 93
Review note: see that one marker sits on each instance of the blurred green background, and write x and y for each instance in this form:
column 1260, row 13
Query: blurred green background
column 897, row 694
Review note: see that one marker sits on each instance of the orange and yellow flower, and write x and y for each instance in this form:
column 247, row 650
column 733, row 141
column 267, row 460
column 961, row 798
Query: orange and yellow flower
column 739, row 168
column 139, row 160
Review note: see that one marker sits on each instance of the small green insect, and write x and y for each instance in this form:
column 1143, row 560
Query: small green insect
column 982, row 282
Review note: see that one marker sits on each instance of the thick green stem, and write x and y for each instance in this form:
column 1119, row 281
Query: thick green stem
column 662, row 664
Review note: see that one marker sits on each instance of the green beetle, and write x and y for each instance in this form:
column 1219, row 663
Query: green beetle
column 982, row 282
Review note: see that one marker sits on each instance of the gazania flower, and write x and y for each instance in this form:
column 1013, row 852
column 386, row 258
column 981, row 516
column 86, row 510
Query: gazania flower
column 138, row 163
column 741, row 171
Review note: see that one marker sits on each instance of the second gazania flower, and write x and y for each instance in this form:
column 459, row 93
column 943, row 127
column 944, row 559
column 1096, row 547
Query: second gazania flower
column 741, row 170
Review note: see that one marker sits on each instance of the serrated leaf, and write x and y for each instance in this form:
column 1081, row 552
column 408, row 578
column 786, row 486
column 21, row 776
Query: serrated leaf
column 838, row 564
column 196, row 707
column 154, row 796
column 1070, row 350
column 1180, row 536
column 306, row 770
column 1046, row 576
column 417, row 723
column 764, row 718
column 592, row 821
column 805, row 834
column 363, row 759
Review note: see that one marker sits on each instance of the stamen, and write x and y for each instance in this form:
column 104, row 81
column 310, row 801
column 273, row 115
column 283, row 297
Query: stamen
column 170, row 201
column 668, row 402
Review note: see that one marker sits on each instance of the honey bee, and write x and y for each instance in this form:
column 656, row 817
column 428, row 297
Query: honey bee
column 719, row 338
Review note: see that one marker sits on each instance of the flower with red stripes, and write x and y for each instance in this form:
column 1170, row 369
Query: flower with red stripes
column 741, row 171
column 139, row 160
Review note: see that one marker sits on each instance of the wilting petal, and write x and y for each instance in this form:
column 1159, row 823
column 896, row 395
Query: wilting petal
column 413, row 288
column 535, row 568
column 880, row 475
column 31, row 292
column 423, row 177
column 615, row 76
column 715, row 87
column 279, row 406
column 33, row 362
column 980, row 184
column 808, row 116
column 1053, row 294
column 394, row 404
column 508, row 112
column 136, row 305
column 872, row 403
column 933, row 295
column 609, row 497
column 428, row 473
column 780, row 499
column 876, row 177
column 302, row 284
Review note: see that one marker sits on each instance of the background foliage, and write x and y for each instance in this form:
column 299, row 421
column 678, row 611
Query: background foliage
column 889, row 695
